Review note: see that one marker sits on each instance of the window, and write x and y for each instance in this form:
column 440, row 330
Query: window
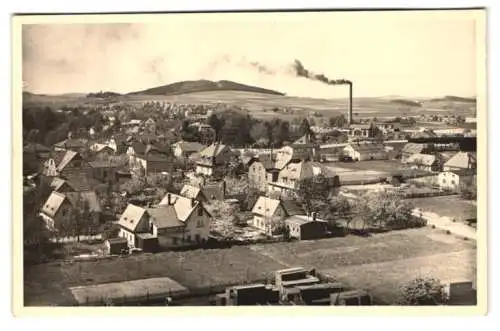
column 452, row 182
column 200, row 211
column 199, row 223
column 444, row 181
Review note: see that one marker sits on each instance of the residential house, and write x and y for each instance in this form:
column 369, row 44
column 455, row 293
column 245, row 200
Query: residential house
column 425, row 162
column 361, row 130
column 57, row 209
column 183, row 149
column 259, row 169
column 303, row 227
column 288, row 179
column 149, row 158
column 73, row 163
column 363, row 152
column 461, row 161
column 269, row 213
column 412, row 148
column 453, row 180
column 176, row 221
column 213, row 159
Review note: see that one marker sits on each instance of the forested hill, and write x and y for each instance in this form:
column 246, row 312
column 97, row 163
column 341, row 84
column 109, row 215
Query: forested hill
column 203, row 86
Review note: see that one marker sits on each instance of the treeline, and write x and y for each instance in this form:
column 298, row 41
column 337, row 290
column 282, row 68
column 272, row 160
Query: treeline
column 44, row 125
column 238, row 129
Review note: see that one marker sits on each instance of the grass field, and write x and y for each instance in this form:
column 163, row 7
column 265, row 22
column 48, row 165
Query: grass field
column 400, row 254
column 446, row 206
column 198, row 268
column 364, row 262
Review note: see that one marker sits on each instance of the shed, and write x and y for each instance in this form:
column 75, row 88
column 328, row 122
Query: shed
column 304, row 227
column 115, row 246
column 147, row 242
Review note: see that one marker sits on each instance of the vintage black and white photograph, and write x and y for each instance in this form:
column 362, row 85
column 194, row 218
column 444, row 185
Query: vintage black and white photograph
column 252, row 159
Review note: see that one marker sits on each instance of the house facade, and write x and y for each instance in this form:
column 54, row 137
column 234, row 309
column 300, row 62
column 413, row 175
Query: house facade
column 303, row 227
column 267, row 214
column 287, row 181
column 213, row 158
column 364, row 152
column 73, row 163
column 453, row 180
column 258, row 171
column 361, row 130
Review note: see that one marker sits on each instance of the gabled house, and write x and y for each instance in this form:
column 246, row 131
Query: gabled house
column 150, row 158
column 303, row 227
column 259, row 169
column 269, row 213
column 213, row 158
column 73, row 163
column 363, row 152
column 57, row 209
column 176, row 221
column 461, row 161
column 183, row 149
column 288, row 178
column 425, row 162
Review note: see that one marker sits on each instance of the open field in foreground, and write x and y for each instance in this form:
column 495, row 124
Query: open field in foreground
column 364, row 262
column 348, row 258
column 50, row 283
column 451, row 206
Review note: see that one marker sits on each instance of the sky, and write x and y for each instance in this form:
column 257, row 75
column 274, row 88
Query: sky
column 418, row 54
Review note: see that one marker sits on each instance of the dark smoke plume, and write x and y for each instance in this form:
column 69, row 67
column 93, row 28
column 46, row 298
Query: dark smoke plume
column 301, row 71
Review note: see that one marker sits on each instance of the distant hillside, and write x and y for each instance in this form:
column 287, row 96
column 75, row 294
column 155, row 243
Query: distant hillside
column 202, row 86
column 455, row 98
column 405, row 102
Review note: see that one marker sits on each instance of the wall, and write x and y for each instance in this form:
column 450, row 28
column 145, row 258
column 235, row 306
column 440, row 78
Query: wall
column 193, row 229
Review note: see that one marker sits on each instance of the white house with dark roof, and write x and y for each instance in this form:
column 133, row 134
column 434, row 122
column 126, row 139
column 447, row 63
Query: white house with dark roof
column 268, row 213
column 453, row 180
column 363, row 152
column 176, row 221
column 57, row 209
column 289, row 177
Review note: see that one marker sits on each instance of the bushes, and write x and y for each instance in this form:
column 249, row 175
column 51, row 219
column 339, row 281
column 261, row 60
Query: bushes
column 424, row 292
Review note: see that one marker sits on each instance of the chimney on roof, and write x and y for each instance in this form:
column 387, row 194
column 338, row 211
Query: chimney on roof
column 313, row 216
column 193, row 202
column 169, row 199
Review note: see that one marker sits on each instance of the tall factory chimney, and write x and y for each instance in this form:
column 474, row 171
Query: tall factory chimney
column 349, row 106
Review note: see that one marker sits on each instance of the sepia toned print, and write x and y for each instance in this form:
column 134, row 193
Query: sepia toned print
column 252, row 159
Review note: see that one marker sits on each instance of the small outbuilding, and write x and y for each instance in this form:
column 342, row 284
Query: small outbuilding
column 115, row 246
column 303, row 227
